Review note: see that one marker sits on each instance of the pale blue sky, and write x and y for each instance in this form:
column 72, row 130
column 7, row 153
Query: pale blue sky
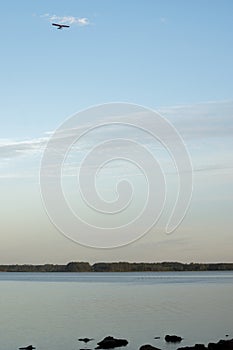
column 172, row 56
column 154, row 53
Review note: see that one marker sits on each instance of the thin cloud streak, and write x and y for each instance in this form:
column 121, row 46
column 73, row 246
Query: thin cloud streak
column 80, row 21
column 210, row 121
column 11, row 149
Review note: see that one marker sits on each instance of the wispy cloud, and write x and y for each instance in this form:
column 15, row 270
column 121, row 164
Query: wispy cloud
column 203, row 120
column 80, row 21
column 11, row 148
column 206, row 128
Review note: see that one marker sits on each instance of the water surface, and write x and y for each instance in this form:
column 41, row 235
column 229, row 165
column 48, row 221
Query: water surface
column 52, row 310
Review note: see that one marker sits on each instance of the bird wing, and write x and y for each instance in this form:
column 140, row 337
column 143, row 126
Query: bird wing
column 60, row 25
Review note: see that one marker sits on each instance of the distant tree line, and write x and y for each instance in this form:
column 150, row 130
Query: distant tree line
column 118, row 267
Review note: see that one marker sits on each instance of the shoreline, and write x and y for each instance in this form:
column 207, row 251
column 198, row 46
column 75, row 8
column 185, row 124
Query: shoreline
column 111, row 272
column 118, row 267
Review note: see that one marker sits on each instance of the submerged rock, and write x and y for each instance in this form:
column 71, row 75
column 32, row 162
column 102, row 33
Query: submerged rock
column 173, row 338
column 148, row 347
column 195, row 347
column 85, row 340
column 221, row 345
column 111, row 342
column 29, row 347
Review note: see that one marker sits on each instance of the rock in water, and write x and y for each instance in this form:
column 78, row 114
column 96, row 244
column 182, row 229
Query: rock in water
column 111, row 342
column 148, row 347
column 173, row 338
column 29, row 347
column 221, row 345
column 85, row 340
column 195, row 347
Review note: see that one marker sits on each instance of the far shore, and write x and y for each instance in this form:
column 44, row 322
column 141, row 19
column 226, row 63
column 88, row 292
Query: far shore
column 119, row 267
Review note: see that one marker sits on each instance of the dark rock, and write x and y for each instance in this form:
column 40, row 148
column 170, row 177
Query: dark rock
column 195, row 347
column 221, row 345
column 29, row 347
column 111, row 342
column 148, row 347
column 173, row 338
column 156, row 337
column 85, row 340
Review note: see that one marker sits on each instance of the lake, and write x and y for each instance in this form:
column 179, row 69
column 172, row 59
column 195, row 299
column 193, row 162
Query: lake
column 52, row 310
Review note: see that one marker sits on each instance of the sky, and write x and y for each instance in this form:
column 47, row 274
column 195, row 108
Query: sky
column 174, row 57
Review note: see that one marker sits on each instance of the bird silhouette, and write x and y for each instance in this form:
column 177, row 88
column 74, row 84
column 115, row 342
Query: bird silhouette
column 60, row 26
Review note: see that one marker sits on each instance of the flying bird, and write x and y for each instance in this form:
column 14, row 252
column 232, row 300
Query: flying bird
column 60, row 26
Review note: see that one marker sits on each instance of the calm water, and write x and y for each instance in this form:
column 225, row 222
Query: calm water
column 52, row 310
